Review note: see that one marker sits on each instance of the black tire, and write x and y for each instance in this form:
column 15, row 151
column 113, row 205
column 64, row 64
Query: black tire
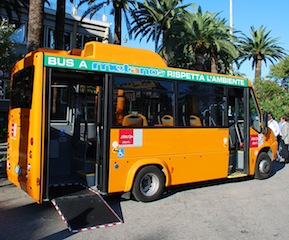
column 263, row 166
column 149, row 184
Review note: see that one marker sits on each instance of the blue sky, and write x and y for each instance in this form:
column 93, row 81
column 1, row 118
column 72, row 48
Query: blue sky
column 274, row 15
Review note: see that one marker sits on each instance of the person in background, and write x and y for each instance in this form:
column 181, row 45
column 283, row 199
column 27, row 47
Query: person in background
column 276, row 128
column 273, row 125
column 284, row 139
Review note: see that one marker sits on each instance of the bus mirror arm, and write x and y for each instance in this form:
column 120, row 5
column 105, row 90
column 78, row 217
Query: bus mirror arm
column 265, row 123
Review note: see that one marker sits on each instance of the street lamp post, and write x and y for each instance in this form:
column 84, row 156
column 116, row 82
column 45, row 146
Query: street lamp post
column 231, row 30
column 231, row 16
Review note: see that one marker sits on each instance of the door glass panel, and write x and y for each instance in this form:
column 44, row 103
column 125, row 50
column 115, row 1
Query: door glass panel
column 255, row 116
column 59, row 102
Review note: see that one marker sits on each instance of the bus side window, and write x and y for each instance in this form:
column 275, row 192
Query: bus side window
column 203, row 100
column 150, row 97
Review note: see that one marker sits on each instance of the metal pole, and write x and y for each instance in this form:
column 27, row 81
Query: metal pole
column 231, row 16
column 231, row 30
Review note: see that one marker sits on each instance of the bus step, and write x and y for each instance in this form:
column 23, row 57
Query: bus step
column 237, row 175
column 82, row 159
column 88, row 165
column 88, row 177
column 86, row 210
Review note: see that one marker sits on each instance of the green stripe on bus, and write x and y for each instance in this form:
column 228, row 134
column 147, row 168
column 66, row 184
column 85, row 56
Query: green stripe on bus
column 91, row 65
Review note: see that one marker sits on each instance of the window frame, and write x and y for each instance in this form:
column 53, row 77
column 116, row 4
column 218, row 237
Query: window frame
column 23, row 73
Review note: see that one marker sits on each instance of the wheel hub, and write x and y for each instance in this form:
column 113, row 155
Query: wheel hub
column 264, row 166
column 149, row 184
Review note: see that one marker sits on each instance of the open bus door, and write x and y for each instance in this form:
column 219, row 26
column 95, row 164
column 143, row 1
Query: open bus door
column 75, row 149
column 239, row 132
column 74, row 128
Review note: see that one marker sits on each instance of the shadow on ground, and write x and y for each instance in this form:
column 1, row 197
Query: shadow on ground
column 276, row 166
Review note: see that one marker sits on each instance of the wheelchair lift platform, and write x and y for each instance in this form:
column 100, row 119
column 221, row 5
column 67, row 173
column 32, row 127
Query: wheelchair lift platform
column 82, row 209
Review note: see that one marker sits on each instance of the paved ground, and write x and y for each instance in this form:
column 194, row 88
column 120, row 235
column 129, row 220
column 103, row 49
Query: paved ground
column 249, row 209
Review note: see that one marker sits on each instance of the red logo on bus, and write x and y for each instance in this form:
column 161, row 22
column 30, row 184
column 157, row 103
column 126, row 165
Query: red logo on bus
column 254, row 141
column 126, row 136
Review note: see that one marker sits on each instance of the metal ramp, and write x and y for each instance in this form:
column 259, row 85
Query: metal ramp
column 85, row 209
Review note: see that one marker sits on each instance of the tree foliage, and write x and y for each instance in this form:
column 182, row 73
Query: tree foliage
column 280, row 72
column 7, row 46
column 204, row 36
column 272, row 97
column 152, row 18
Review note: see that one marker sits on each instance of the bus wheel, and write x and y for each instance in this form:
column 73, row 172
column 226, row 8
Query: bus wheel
column 149, row 184
column 263, row 166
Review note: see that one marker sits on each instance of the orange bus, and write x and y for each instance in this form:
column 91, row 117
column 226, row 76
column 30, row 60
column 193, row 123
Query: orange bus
column 117, row 119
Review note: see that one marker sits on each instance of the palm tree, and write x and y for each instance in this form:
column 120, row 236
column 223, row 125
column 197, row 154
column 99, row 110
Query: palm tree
column 206, row 38
column 153, row 18
column 35, row 25
column 119, row 7
column 260, row 47
column 179, row 52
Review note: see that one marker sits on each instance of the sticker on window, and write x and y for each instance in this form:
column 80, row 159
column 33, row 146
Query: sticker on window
column 130, row 137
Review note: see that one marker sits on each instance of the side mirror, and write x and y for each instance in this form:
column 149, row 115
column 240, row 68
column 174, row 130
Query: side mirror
column 265, row 123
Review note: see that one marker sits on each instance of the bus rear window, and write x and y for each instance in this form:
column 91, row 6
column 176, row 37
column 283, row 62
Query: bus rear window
column 21, row 92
